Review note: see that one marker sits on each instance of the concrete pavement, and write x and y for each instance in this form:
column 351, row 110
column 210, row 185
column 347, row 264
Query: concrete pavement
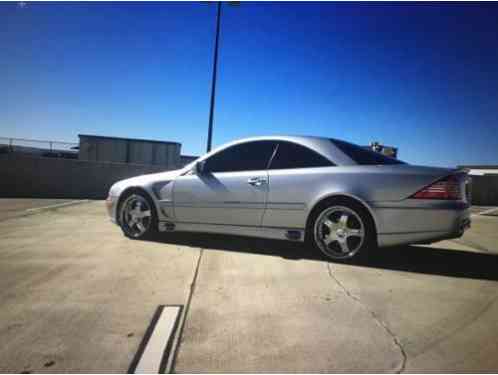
column 79, row 296
column 411, row 309
column 76, row 295
column 484, row 234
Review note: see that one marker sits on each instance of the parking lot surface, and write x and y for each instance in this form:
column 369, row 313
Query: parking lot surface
column 79, row 296
column 10, row 208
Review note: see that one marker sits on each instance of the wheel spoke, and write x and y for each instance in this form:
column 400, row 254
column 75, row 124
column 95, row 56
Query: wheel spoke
column 343, row 221
column 329, row 224
column 330, row 238
column 344, row 246
column 355, row 233
column 140, row 226
column 143, row 214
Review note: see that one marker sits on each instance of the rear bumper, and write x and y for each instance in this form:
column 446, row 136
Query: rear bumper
column 420, row 222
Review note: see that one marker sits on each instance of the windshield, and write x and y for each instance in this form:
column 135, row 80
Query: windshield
column 364, row 156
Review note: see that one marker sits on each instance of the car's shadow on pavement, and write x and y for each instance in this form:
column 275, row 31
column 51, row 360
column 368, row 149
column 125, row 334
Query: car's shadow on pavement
column 434, row 260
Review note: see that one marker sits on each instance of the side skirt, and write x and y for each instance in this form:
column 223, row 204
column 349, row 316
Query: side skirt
column 289, row 234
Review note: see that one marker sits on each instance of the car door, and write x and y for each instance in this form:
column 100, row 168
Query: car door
column 294, row 174
column 232, row 189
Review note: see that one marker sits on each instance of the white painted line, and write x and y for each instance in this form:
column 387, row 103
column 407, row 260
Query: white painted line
column 155, row 353
column 488, row 211
column 56, row 205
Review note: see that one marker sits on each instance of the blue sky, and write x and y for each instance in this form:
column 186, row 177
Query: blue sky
column 422, row 77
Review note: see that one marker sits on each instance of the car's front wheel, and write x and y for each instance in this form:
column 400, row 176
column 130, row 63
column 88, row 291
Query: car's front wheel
column 137, row 216
column 342, row 230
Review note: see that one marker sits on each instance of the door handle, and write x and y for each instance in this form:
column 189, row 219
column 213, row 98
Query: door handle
column 256, row 181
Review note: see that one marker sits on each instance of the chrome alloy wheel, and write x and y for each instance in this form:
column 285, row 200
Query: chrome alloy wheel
column 136, row 216
column 339, row 232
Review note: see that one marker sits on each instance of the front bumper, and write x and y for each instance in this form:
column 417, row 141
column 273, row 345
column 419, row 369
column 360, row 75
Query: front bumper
column 111, row 204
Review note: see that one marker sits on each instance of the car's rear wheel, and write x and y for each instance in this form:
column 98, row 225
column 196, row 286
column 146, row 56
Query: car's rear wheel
column 342, row 230
column 137, row 215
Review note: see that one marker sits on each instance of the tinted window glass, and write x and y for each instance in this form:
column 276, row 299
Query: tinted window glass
column 364, row 156
column 291, row 155
column 251, row 156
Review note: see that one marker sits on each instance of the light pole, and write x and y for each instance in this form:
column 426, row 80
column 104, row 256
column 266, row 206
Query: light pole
column 213, row 82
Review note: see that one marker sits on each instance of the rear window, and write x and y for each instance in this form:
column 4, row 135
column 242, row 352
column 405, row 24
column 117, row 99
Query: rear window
column 291, row 155
column 364, row 156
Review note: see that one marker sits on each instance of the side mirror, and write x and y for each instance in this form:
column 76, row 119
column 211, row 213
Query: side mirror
column 199, row 167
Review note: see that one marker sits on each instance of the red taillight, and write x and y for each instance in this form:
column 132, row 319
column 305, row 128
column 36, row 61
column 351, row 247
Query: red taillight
column 446, row 188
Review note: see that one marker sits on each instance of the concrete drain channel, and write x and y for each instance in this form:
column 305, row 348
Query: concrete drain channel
column 156, row 350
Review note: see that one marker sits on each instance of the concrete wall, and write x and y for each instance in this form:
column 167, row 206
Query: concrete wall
column 485, row 190
column 38, row 177
column 24, row 176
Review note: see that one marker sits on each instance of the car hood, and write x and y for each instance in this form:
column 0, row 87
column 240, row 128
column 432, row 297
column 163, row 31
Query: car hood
column 143, row 181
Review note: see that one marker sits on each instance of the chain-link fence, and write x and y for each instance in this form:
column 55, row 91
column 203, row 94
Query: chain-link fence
column 40, row 148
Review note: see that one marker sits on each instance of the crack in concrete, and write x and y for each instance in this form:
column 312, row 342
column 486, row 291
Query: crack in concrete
column 379, row 321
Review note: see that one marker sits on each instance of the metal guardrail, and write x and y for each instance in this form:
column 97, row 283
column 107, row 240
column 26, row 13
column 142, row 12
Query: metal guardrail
column 36, row 146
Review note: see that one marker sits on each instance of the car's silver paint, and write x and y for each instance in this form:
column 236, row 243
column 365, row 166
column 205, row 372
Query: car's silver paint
column 221, row 198
column 229, row 203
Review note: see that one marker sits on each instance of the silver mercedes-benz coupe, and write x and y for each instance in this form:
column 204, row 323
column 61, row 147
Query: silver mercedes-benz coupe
column 341, row 198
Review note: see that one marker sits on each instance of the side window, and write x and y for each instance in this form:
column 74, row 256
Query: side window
column 291, row 155
column 250, row 156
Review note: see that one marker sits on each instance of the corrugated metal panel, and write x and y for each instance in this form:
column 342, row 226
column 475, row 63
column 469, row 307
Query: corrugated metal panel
column 111, row 150
column 140, row 152
column 177, row 156
column 86, row 151
column 122, row 150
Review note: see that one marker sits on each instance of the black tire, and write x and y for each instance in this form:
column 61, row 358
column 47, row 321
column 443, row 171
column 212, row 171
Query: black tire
column 357, row 212
column 149, row 222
